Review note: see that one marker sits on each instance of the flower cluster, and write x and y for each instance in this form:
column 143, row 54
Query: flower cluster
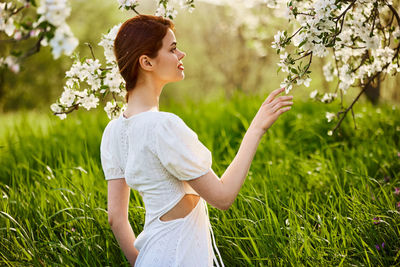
column 11, row 62
column 107, row 42
column 166, row 10
column 127, row 3
column 362, row 44
column 6, row 20
column 100, row 81
column 358, row 42
column 87, row 71
column 55, row 12
column 48, row 27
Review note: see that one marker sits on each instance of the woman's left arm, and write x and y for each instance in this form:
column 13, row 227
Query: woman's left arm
column 118, row 204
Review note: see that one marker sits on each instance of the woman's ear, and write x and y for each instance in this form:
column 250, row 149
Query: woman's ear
column 145, row 63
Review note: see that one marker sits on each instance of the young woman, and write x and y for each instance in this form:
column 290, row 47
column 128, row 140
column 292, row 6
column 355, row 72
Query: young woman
column 157, row 154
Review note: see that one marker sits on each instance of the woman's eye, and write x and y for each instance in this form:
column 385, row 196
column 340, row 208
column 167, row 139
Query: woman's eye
column 173, row 49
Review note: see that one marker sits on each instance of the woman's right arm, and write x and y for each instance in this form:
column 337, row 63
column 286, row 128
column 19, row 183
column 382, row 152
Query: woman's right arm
column 221, row 193
column 118, row 203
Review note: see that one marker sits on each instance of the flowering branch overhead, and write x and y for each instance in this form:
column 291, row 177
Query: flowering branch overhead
column 361, row 45
column 360, row 39
column 49, row 29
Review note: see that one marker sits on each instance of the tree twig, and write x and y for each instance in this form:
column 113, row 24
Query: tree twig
column 134, row 10
column 354, row 119
column 91, row 50
column 35, row 48
column 358, row 96
column 341, row 24
column 73, row 107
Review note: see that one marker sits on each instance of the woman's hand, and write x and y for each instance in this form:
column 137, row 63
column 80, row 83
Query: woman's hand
column 270, row 110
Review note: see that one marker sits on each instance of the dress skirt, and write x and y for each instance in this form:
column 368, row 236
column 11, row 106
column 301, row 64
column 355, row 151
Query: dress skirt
column 179, row 242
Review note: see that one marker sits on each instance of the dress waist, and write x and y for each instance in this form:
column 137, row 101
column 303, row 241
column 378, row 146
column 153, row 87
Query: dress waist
column 183, row 227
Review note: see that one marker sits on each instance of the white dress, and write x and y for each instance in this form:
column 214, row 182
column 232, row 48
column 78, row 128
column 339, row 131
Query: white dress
column 156, row 153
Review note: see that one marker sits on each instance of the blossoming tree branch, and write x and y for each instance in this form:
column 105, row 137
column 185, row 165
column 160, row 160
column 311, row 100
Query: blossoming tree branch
column 24, row 19
column 359, row 39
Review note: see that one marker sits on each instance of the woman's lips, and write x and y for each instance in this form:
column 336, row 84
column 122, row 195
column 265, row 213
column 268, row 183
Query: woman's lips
column 180, row 66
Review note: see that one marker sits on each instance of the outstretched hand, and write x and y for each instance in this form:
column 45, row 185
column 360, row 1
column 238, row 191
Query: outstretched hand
column 271, row 109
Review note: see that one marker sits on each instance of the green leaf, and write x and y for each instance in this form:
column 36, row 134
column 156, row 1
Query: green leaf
column 303, row 42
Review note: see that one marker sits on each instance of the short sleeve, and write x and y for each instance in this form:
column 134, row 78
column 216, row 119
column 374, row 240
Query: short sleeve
column 109, row 162
column 179, row 149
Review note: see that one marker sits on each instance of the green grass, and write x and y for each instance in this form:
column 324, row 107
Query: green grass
column 309, row 198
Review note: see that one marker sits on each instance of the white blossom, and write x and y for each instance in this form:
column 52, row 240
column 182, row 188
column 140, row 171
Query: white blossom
column 55, row 108
column 330, row 116
column 306, row 82
column 313, row 94
column 107, row 42
column 396, row 34
column 18, row 35
column 283, row 62
column 62, row 116
column 346, row 78
column 63, row 41
column 328, row 97
column 372, row 42
column 168, row 11
column 278, row 39
column 114, row 79
column 329, row 71
column 287, row 84
column 54, row 11
column 89, row 102
column 67, row 97
column 6, row 21
column 88, row 71
column 7, row 26
column 185, row 5
column 11, row 62
column 127, row 3
column 110, row 109
column 320, row 50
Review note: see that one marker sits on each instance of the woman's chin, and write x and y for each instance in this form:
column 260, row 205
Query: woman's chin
column 177, row 79
column 181, row 77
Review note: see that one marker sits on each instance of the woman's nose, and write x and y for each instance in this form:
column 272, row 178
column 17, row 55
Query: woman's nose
column 183, row 54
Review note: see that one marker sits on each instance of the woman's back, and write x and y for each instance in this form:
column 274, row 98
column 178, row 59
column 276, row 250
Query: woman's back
column 156, row 152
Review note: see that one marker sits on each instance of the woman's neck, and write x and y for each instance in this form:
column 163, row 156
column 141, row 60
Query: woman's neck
column 144, row 97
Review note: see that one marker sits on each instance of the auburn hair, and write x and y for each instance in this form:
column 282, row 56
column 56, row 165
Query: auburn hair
column 140, row 35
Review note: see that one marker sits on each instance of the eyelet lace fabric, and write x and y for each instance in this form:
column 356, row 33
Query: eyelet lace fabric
column 124, row 139
column 156, row 153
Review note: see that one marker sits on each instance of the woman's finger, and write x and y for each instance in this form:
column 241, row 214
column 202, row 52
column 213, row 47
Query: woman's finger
column 282, row 110
column 273, row 95
column 281, row 104
column 280, row 99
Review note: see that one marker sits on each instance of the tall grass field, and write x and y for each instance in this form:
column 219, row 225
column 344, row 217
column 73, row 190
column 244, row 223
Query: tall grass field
column 309, row 199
